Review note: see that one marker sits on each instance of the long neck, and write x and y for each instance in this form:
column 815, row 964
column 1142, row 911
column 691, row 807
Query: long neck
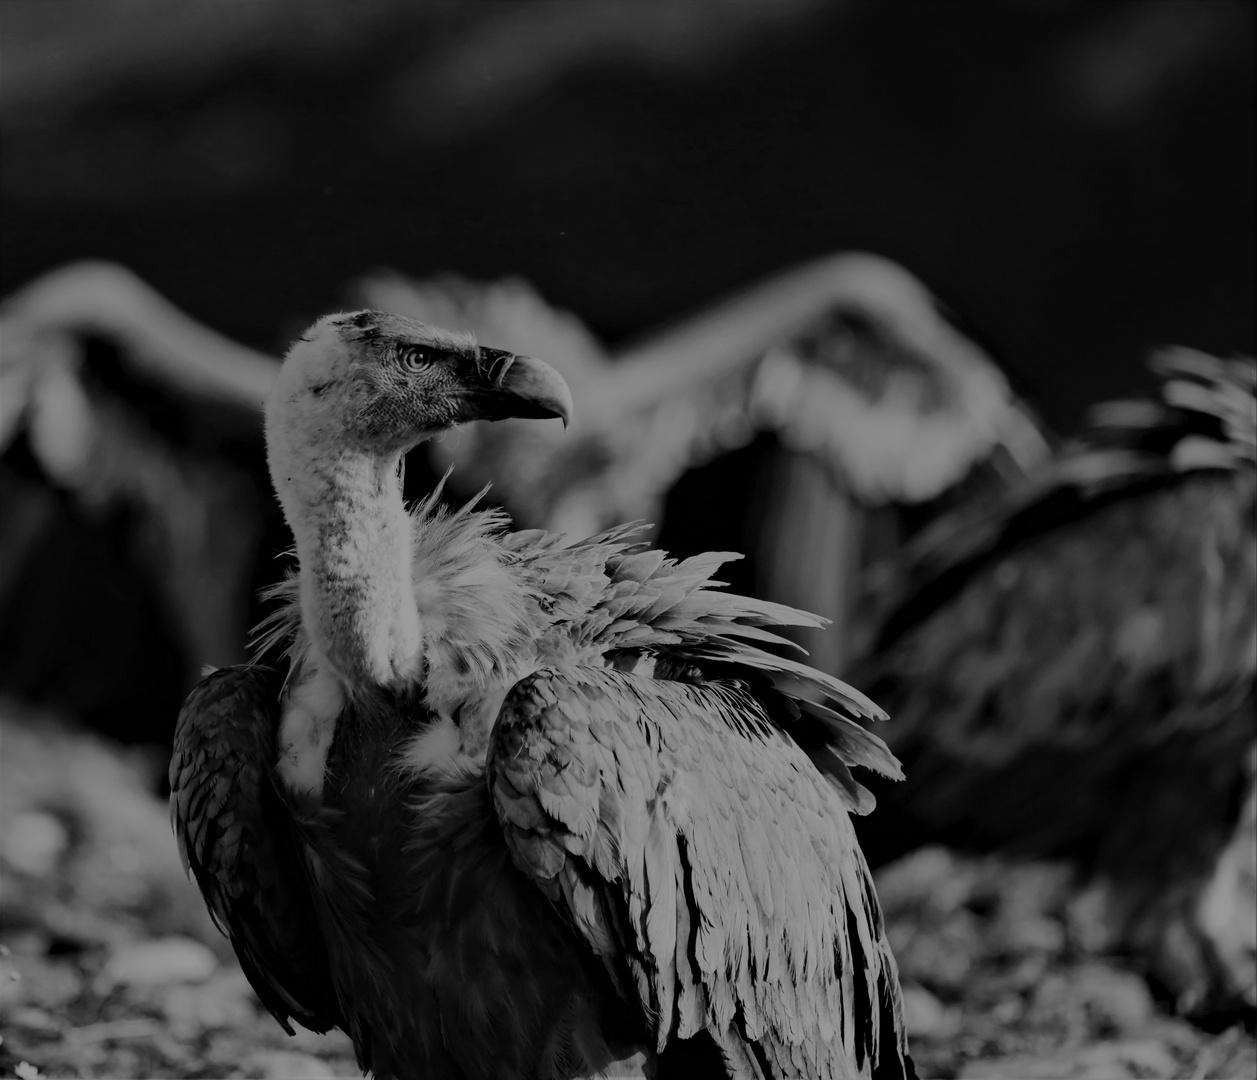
column 354, row 547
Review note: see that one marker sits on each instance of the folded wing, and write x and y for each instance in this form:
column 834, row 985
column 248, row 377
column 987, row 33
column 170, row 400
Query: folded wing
column 698, row 851
column 237, row 840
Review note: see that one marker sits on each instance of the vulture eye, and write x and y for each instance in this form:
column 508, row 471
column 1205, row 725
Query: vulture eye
column 416, row 359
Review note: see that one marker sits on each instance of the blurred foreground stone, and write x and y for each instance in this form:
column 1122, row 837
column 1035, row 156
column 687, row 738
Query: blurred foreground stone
column 110, row 966
column 109, row 963
column 1005, row 976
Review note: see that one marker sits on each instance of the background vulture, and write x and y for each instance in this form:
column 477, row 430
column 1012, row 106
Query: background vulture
column 1075, row 179
column 540, row 806
column 835, row 400
column 826, row 397
column 147, row 423
column 1071, row 674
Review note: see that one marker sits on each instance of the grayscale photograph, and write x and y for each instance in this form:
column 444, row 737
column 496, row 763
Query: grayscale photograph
column 628, row 539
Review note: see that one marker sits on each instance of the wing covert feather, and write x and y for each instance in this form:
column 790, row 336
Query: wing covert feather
column 675, row 826
column 235, row 839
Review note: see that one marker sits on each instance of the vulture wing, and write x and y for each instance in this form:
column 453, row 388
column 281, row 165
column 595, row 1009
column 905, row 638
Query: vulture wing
column 856, row 390
column 694, row 830
column 847, row 360
column 1083, row 659
column 702, row 857
column 124, row 431
column 236, row 837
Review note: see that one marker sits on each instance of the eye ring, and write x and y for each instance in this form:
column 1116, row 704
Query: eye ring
column 415, row 358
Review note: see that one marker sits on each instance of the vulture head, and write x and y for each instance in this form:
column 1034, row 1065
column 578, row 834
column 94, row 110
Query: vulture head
column 354, row 393
column 377, row 383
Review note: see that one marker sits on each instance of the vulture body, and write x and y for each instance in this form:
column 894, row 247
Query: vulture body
column 523, row 807
column 1071, row 674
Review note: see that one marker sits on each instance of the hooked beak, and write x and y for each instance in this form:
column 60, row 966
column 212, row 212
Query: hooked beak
column 507, row 385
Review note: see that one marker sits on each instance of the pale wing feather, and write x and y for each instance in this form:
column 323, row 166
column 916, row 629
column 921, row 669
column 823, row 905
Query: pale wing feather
column 748, row 906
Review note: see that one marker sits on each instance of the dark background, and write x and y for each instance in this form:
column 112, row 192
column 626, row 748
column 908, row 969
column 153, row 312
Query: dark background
column 1075, row 179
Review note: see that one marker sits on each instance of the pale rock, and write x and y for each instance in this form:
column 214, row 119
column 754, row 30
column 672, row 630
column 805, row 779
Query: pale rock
column 1103, row 1061
column 1118, row 1000
column 286, row 1065
column 38, row 981
column 226, row 1000
column 159, row 963
column 1020, row 1067
column 1130, row 1057
column 927, row 1017
column 1029, row 933
column 1091, row 918
column 34, row 842
column 937, row 954
column 930, row 879
column 31, row 1019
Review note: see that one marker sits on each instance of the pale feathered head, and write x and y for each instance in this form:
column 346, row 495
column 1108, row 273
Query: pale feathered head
column 380, row 383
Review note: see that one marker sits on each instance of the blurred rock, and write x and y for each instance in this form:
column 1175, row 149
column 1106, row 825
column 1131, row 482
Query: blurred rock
column 225, row 1000
column 34, row 842
column 946, row 912
column 1118, row 1000
column 108, row 984
column 1030, row 888
column 158, row 963
column 32, row 1020
column 1024, row 975
column 286, row 1065
column 930, row 879
column 940, row 955
column 1017, row 1067
column 1094, row 998
column 120, row 863
column 1028, row 932
column 1090, row 919
column 37, row 981
column 21, row 936
column 1106, row 1061
column 925, row 1016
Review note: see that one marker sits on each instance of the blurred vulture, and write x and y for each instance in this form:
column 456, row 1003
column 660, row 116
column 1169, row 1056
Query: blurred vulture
column 868, row 397
column 130, row 481
column 134, row 477
column 1071, row 674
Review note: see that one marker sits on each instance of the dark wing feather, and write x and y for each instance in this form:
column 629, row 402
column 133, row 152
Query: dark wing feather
column 1072, row 657
column 235, row 836
column 1204, row 423
column 695, row 848
column 1073, row 674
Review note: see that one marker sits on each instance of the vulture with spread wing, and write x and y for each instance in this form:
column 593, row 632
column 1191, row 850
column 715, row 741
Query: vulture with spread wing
column 1072, row 674
column 133, row 495
column 521, row 806
column 860, row 397
column 866, row 404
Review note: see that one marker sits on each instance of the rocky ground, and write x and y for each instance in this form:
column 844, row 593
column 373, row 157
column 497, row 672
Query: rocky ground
column 109, row 966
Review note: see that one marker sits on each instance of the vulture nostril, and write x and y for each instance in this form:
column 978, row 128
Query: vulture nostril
column 500, row 366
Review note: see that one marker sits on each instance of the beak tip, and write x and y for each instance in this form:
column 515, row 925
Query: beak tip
column 537, row 383
column 563, row 406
